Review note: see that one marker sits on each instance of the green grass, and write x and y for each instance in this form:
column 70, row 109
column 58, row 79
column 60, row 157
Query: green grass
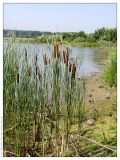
column 110, row 73
column 75, row 42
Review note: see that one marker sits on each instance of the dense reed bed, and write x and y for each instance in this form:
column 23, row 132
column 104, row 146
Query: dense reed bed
column 40, row 104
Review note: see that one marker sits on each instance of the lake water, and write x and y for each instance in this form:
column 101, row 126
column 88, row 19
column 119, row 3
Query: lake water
column 89, row 61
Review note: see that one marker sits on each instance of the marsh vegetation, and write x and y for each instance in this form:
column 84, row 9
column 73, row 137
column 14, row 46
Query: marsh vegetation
column 46, row 106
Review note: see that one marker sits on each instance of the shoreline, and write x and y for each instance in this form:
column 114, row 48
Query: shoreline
column 76, row 45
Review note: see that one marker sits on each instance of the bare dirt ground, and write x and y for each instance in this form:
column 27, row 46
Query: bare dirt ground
column 97, row 91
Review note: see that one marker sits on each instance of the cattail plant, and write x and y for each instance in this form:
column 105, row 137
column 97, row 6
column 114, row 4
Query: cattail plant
column 54, row 51
column 57, row 51
column 73, row 71
column 39, row 120
column 45, row 59
column 70, row 66
column 64, row 56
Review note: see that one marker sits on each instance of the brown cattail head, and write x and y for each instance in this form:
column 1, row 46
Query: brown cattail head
column 66, row 59
column 73, row 71
column 36, row 59
column 70, row 66
column 67, row 50
column 45, row 59
column 54, row 51
column 64, row 56
column 17, row 78
column 57, row 51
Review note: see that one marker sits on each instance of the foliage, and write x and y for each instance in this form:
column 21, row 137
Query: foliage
column 102, row 34
column 110, row 73
column 106, row 34
column 25, row 34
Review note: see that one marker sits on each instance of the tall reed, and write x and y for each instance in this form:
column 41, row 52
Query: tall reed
column 38, row 100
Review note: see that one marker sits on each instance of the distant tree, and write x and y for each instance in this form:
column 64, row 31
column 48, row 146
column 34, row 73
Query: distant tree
column 106, row 34
column 25, row 34
column 99, row 33
column 113, row 35
column 66, row 35
column 90, row 38
column 82, row 34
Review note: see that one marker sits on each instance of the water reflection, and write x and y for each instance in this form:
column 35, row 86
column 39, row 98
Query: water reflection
column 86, row 59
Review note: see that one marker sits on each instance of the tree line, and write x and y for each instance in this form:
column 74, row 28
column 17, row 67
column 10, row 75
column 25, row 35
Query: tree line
column 24, row 34
column 102, row 34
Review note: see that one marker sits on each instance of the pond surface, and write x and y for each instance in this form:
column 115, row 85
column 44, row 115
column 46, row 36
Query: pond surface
column 89, row 61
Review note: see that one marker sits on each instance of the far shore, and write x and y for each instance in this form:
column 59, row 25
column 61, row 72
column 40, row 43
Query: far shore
column 65, row 43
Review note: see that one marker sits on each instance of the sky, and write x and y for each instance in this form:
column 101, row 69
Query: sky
column 59, row 17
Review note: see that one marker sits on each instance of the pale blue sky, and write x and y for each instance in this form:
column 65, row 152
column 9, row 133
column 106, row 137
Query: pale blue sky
column 64, row 17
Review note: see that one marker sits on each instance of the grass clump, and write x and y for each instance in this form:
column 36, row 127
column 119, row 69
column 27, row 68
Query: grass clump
column 110, row 73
